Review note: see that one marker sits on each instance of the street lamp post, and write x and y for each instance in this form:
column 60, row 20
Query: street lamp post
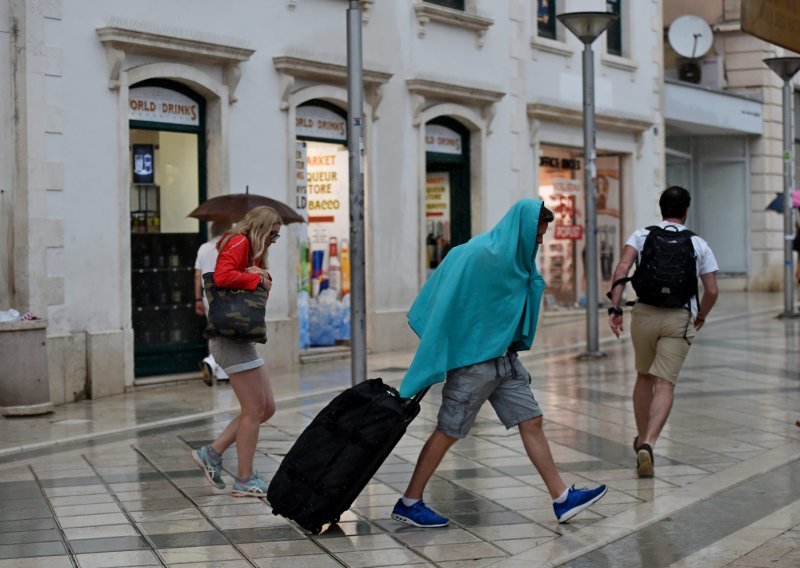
column 355, row 147
column 587, row 26
column 785, row 68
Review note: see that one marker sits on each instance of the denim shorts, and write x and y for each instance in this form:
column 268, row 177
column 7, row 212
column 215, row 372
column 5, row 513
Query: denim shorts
column 234, row 357
column 504, row 382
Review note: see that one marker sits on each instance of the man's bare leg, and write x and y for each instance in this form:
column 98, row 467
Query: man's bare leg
column 538, row 451
column 429, row 459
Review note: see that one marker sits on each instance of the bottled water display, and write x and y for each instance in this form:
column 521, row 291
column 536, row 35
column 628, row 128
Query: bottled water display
column 329, row 319
column 303, row 319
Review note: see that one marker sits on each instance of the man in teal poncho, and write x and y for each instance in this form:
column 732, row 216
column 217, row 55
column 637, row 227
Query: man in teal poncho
column 472, row 316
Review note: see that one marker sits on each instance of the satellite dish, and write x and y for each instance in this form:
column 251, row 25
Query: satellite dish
column 690, row 36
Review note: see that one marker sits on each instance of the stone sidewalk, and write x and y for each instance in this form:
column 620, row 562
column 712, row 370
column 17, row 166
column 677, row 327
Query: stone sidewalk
column 111, row 483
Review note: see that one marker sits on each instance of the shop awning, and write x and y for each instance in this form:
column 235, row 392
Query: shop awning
column 694, row 110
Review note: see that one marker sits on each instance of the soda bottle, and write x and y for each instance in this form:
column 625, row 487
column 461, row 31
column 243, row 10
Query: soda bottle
column 334, row 267
column 345, row 266
column 305, row 268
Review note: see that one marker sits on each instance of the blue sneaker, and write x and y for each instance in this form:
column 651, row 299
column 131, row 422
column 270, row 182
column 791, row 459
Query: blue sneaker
column 213, row 470
column 418, row 515
column 253, row 487
column 577, row 500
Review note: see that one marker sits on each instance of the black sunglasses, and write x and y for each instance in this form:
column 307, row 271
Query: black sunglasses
column 274, row 235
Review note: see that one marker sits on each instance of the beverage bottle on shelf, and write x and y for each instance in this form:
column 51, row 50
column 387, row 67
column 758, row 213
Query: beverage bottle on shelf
column 439, row 242
column 174, row 257
column 430, row 247
column 305, row 268
column 175, row 294
column 345, row 265
column 334, row 266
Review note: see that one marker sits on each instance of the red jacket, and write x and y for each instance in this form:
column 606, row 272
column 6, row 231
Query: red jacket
column 232, row 261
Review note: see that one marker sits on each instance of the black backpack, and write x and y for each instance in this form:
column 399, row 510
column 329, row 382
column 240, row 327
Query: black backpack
column 666, row 273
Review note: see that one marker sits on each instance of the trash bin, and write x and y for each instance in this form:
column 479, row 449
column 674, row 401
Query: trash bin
column 24, row 382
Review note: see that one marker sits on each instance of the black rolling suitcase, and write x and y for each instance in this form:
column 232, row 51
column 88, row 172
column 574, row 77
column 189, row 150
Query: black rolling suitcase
column 339, row 452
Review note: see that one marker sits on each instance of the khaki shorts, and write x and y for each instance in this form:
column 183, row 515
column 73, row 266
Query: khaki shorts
column 234, row 357
column 661, row 339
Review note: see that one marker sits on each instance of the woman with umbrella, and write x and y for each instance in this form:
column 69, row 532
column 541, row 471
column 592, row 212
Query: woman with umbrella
column 242, row 264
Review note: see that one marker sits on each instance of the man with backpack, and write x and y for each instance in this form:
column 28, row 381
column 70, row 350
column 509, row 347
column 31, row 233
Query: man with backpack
column 669, row 258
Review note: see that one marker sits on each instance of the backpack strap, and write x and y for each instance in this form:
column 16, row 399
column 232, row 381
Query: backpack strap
column 620, row 282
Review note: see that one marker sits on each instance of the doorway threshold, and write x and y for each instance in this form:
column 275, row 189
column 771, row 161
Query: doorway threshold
column 321, row 354
column 157, row 380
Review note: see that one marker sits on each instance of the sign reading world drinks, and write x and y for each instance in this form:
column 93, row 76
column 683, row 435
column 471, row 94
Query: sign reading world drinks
column 157, row 104
column 775, row 21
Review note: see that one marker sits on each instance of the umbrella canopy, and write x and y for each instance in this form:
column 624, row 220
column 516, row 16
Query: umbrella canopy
column 777, row 203
column 231, row 208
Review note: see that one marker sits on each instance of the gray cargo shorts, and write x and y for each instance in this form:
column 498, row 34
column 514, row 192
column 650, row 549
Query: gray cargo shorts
column 503, row 381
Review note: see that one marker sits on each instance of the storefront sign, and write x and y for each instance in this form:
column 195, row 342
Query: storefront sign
column 776, row 21
column 143, row 166
column 320, row 122
column 301, row 189
column 442, row 140
column 568, row 232
column 437, row 196
column 157, row 104
column 560, row 163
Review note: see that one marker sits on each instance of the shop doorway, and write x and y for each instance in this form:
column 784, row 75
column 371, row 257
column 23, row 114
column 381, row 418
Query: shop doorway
column 167, row 181
column 323, row 197
column 447, row 189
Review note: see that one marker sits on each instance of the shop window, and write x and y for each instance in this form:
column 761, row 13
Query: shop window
column 561, row 257
column 454, row 4
column 614, row 32
column 322, row 187
column 546, row 18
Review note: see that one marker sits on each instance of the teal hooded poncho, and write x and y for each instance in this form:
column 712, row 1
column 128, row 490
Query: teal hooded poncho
column 482, row 299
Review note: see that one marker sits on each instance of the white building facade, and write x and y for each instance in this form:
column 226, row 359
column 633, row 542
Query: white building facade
column 725, row 143
column 124, row 117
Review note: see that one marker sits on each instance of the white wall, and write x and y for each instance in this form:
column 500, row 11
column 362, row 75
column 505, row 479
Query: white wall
column 91, row 116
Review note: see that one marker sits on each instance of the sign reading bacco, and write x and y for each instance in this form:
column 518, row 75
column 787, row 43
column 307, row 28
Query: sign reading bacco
column 157, row 104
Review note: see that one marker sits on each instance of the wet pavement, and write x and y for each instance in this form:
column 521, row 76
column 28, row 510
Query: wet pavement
column 111, row 482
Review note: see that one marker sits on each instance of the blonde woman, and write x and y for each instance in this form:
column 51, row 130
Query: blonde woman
column 242, row 264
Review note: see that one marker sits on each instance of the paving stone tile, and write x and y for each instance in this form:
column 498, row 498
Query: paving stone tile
column 185, row 540
column 107, row 531
column 27, row 525
column 113, row 544
column 23, row 537
column 263, row 534
column 37, row 562
column 199, row 554
column 118, row 559
column 27, row 550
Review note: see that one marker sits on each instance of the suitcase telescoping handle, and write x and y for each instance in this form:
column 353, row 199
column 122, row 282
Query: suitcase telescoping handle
column 418, row 397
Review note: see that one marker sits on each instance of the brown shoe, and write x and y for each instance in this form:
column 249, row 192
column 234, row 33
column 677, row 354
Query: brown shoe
column 636, row 444
column 206, row 373
column 644, row 461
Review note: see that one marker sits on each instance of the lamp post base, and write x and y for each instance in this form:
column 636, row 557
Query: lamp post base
column 789, row 315
column 588, row 355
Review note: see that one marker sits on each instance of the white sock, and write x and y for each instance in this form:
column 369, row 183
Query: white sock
column 562, row 497
column 410, row 502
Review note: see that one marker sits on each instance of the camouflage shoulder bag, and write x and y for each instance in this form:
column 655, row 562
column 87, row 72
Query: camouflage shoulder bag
column 235, row 314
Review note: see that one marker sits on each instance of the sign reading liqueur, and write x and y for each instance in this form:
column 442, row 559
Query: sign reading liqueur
column 157, row 104
column 442, row 140
column 318, row 122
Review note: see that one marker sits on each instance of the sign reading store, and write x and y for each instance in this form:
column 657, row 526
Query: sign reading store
column 157, row 104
